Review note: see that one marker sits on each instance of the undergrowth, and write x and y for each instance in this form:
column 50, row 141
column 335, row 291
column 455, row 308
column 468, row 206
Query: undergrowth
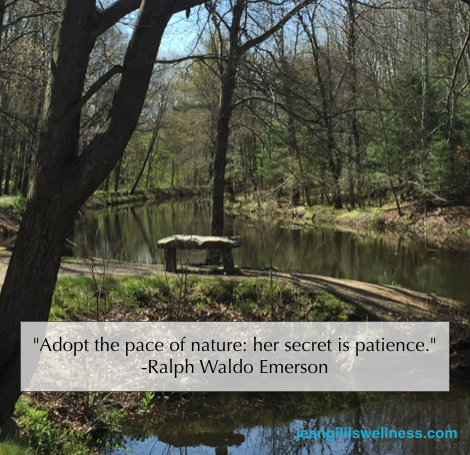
column 194, row 297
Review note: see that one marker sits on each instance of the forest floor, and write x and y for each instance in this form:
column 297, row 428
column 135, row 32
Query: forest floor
column 10, row 218
column 101, row 199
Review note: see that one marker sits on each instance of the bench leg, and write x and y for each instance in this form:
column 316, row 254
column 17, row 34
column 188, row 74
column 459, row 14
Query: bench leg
column 213, row 256
column 170, row 259
column 227, row 259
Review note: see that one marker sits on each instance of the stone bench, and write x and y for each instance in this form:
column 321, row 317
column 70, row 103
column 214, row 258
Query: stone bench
column 199, row 242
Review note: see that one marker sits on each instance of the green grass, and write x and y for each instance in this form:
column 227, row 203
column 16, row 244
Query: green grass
column 250, row 298
column 46, row 437
column 180, row 297
column 124, row 197
column 103, row 199
column 326, row 213
column 455, row 231
column 360, row 213
column 10, row 202
column 79, row 295
column 12, row 449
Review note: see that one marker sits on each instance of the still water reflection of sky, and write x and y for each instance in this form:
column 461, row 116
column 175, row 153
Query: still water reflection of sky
column 273, row 436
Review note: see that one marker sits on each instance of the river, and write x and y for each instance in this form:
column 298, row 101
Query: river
column 131, row 235
column 348, row 421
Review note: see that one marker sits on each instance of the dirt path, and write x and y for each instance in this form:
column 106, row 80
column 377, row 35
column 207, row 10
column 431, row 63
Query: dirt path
column 74, row 267
column 382, row 301
column 389, row 302
column 374, row 302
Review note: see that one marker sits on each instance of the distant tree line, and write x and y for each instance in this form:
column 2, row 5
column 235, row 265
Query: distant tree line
column 346, row 103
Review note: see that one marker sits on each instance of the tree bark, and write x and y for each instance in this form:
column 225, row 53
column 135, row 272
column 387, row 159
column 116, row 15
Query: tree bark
column 2, row 15
column 220, row 156
column 65, row 178
column 227, row 87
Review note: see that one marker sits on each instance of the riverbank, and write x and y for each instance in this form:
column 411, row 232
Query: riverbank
column 101, row 199
column 449, row 226
column 195, row 286
column 11, row 209
column 441, row 225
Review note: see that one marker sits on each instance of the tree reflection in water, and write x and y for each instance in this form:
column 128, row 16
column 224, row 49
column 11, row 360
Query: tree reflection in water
column 275, row 433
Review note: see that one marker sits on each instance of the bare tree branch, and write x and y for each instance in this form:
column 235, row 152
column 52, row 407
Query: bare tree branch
column 117, row 69
column 456, row 69
column 264, row 36
column 116, row 12
column 189, row 57
column 30, row 16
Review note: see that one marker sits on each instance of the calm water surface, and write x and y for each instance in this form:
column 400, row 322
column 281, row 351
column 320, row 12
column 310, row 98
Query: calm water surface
column 131, row 235
column 275, row 432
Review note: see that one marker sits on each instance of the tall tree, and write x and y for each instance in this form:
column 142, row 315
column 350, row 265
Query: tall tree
column 327, row 88
column 238, row 45
column 65, row 174
column 354, row 139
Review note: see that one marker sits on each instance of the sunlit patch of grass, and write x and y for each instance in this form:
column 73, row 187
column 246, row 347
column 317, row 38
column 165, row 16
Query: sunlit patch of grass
column 46, row 437
column 251, row 299
column 11, row 448
column 11, row 202
column 80, row 295
column 333, row 309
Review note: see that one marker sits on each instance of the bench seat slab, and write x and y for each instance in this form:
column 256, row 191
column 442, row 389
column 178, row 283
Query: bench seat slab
column 199, row 242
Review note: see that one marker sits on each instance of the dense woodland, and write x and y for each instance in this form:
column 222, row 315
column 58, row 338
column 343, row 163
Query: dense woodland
column 348, row 102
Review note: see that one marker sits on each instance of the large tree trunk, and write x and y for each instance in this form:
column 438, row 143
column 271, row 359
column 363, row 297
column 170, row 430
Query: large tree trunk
column 29, row 284
column 220, row 155
column 65, row 178
column 227, row 87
